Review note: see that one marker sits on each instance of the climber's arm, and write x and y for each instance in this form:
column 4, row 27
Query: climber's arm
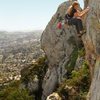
column 69, row 10
column 81, row 13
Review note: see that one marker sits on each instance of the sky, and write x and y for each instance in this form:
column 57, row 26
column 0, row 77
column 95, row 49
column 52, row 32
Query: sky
column 27, row 15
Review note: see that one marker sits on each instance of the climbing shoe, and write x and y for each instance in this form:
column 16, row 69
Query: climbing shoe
column 82, row 32
column 79, row 35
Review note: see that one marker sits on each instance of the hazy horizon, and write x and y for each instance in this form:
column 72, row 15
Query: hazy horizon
column 27, row 15
column 21, row 30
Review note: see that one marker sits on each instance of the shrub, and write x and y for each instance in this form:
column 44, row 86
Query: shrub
column 80, row 80
column 12, row 92
column 72, row 61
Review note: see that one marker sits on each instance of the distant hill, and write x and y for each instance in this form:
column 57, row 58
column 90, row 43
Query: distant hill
column 17, row 50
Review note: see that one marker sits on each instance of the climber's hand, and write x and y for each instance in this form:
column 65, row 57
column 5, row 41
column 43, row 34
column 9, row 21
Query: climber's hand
column 88, row 8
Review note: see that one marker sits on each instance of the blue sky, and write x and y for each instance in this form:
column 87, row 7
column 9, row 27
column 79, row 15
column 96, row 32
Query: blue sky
column 26, row 15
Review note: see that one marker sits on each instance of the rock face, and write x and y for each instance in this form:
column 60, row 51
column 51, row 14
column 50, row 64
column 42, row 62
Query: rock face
column 17, row 51
column 92, row 45
column 54, row 96
column 58, row 46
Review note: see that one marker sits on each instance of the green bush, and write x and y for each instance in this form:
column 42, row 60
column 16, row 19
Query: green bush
column 72, row 61
column 81, row 52
column 80, row 80
column 12, row 92
column 38, row 68
column 80, row 77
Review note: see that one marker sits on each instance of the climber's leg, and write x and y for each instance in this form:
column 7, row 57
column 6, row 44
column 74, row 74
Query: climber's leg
column 78, row 24
column 73, row 21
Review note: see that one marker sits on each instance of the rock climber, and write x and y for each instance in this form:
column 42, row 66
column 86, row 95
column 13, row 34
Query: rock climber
column 74, row 17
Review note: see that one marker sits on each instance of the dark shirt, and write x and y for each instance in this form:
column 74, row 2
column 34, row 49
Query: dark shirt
column 71, row 15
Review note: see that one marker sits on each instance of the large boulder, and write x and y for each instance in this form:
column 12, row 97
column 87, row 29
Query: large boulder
column 58, row 46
